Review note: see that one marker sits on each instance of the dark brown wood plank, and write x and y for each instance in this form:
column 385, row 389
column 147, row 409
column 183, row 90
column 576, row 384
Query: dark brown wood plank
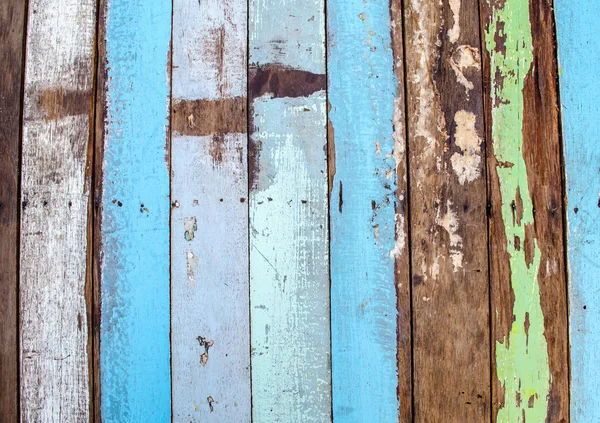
column 12, row 26
column 450, row 289
column 528, row 286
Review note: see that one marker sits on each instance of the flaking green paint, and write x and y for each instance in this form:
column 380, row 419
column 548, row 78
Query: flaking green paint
column 522, row 358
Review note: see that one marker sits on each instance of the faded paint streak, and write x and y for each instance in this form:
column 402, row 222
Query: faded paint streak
column 209, row 117
column 521, row 358
column 449, row 222
column 466, row 163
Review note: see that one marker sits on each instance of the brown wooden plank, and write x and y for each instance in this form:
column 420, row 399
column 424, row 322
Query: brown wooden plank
column 450, row 290
column 402, row 256
column 528, row 287
column 12, row 26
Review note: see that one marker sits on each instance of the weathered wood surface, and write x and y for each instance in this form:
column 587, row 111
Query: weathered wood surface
column 135, row 208
column 369, row 254
column 450, row 291
column 209, row 226
column 529, row 314
column 578, row 46
column 289, row 278
column 12, row 25
column 55, row 189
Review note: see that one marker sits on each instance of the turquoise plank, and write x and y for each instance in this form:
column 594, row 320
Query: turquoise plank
column 362, row 90
column 579, row 64
column 134, row 344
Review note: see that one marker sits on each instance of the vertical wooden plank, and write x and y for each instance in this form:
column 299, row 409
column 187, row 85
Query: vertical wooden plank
column 369, row 254
column 55, row 192
column 529, row 325
column 289, row 277
column 134, row 247
column 450, row 286
column 209, row 227
column 578, row 44
column 12, row 26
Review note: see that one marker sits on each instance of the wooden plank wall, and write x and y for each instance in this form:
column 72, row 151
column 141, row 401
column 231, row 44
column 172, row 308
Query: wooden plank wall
column 210, row 338
column 350, row 210
column 135, row 207
column 578, row 46
column 528, row 289
column 55, row 190
column 12, row 24
column 450, row 291
column 369, row 255
column 289, row 277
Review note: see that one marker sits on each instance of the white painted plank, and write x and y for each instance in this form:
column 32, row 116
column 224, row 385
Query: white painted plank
column 55, row 192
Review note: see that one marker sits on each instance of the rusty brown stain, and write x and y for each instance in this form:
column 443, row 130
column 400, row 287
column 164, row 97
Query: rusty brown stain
column 330, row 150
column 282, row 81
column 217, row 148
column 58, row 103
column 210, row 117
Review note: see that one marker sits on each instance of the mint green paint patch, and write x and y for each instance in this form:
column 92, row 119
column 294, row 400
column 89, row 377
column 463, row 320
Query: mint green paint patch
column 522, row 358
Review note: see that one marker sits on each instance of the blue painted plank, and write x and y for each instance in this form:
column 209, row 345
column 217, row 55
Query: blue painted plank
column 579, row 63
column 134, row 344
column 364, row 246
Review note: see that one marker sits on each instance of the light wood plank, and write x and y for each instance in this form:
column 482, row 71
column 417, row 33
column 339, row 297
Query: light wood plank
column 578, row 44
column 289, row 278
column 448, row 212
column 209, row 232
column 12, row 22
column 134, row 212
column 528, row 286
column 55, row 193
column 369, row 248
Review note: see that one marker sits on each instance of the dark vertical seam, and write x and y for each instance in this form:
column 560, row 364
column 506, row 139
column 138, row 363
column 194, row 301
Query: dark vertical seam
column 409, row 212
column 248, row 193
column 561, row 144
column 19, row 205
column 93, row 217
column 487, row 147
column 327, row 159
column 169, row 171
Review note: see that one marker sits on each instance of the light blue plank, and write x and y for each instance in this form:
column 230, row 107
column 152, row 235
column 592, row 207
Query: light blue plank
column 362, row 89
column 134, row 347
column 579, row 65
column 289, row 275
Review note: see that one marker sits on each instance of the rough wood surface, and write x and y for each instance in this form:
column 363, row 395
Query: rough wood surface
column 54, row 198
column 578, row 42
column 529, row 314
column 369, row 254
column 135, row 208
column 209, row 226
column 289, row 278
column 450, row 291
column 12, row 25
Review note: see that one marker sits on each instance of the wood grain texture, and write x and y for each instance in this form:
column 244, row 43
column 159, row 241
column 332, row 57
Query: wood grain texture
column 12, row 26
column 529, row 324
column 209, row 227
column 450, row 290
column 135, row 207
column 577, row 33
column 54, row 198
column 289, row 277
column 369, row 254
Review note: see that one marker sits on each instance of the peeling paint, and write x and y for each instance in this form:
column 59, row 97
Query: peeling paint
column 465, row 58
column 466, row 163
column 454, row 32
column 449, row 222
column 191, row 226
column 192, row 265
column 521, row 355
